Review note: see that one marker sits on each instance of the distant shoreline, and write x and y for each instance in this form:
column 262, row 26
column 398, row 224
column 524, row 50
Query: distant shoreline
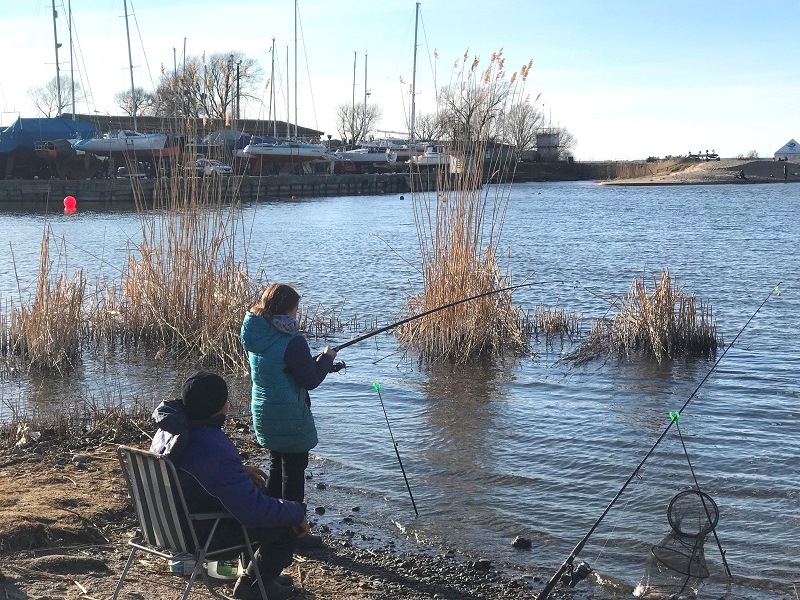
column 725, row 171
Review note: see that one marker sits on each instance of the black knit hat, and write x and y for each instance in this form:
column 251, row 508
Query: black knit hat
column 204, row 394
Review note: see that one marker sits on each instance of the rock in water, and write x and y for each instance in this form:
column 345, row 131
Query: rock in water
column 522, row 543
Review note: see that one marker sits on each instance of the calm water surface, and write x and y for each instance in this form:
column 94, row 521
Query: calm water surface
column 526, row 446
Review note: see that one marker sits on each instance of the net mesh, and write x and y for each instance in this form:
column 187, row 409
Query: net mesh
column 693, row 513
column 677, row 564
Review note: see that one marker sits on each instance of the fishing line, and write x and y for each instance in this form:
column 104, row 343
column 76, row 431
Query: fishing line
column 377, row 387
column 396, row 253
column 375, row 362
column 545, row 593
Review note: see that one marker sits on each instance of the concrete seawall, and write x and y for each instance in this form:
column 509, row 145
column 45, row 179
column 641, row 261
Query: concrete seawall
column 245, row 188
column 283, row 187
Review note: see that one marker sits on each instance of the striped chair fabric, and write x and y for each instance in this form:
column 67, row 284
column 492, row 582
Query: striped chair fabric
column 160, row 507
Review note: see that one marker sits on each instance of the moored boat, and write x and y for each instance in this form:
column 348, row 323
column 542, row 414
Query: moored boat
column 285, row 157
column 367, row 157
column 288, row 149
column 123, row 140
column 432, row 156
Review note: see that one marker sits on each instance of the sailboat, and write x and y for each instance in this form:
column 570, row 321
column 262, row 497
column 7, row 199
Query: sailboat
column 122, row 140
column 125, row 140
column 284, row 155
column 365, row 158
column 284, row 149
column 432, row 155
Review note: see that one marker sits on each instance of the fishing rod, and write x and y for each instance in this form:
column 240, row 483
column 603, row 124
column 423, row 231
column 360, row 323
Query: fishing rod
column 377, row 387
column 437, row 309
column 545, row 593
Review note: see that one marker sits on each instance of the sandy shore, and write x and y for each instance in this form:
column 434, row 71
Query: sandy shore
column 65, row 522
column 724, row 171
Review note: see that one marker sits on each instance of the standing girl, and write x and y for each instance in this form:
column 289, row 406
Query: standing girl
column 283, row 371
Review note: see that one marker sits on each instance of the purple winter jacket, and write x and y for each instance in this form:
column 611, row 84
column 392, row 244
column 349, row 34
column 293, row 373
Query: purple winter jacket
column 211, row 472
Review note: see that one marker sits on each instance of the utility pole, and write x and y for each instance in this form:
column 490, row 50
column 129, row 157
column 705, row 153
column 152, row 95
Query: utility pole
column 238, row 64
column 229, row 92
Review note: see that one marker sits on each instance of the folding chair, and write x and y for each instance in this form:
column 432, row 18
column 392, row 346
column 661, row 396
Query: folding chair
column 160, row 506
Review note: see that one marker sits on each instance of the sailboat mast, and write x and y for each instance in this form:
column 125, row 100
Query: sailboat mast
column 71, row 65
column 273, row 109
column 353, row 109
column 58, row 74
column 288, row 98
column 295, row 69
column 130, row 64
column 414, row 76
column 364, row 124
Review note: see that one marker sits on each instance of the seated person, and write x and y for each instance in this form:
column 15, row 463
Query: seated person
column 213, row 478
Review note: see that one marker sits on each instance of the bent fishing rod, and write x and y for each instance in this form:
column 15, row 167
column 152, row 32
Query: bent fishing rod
column 545, row 593
column 434, row 310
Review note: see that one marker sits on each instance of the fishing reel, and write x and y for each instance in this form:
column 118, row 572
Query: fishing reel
column 338, row 366
column 576, row 573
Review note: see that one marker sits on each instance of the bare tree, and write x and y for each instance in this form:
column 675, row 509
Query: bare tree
column 431, row 126
column 566, row 142
column 209, row 86
column 221, row 75
column 145, row 102
column 472, row 108
column 46, row 98
column 178, row 93
column 351, row 124
column 520, row 125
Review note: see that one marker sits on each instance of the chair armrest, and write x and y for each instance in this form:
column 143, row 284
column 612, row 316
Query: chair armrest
column 210, row 516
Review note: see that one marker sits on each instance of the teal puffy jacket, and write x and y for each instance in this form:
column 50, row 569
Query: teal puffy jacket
column 281, row 408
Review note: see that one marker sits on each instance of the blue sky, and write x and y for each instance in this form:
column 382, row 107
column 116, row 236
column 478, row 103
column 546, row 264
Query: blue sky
column 629, row 79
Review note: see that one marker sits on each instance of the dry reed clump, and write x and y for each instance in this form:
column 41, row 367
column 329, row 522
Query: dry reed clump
column 482, row 326
column 109, row 420
column 551, row 323
column 322, row 322
column 181, row 294
column 459, row 226
column 47, row 332
column 184, row 289
column 664, row 323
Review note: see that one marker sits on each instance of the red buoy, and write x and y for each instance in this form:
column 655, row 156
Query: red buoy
column 70, row 203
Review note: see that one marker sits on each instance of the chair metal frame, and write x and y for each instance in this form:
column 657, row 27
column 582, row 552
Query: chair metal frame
column 157, row 497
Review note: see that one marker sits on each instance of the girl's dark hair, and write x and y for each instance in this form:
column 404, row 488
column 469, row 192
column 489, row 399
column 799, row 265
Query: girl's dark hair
column 277, row 299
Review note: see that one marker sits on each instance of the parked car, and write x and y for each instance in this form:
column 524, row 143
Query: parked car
column 139, row 170
column 207, row 166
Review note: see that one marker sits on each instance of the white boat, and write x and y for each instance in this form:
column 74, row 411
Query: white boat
column 432, row 157
column 386, row 143
column 123, row 140
column 284, row 150
column 367, row 155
